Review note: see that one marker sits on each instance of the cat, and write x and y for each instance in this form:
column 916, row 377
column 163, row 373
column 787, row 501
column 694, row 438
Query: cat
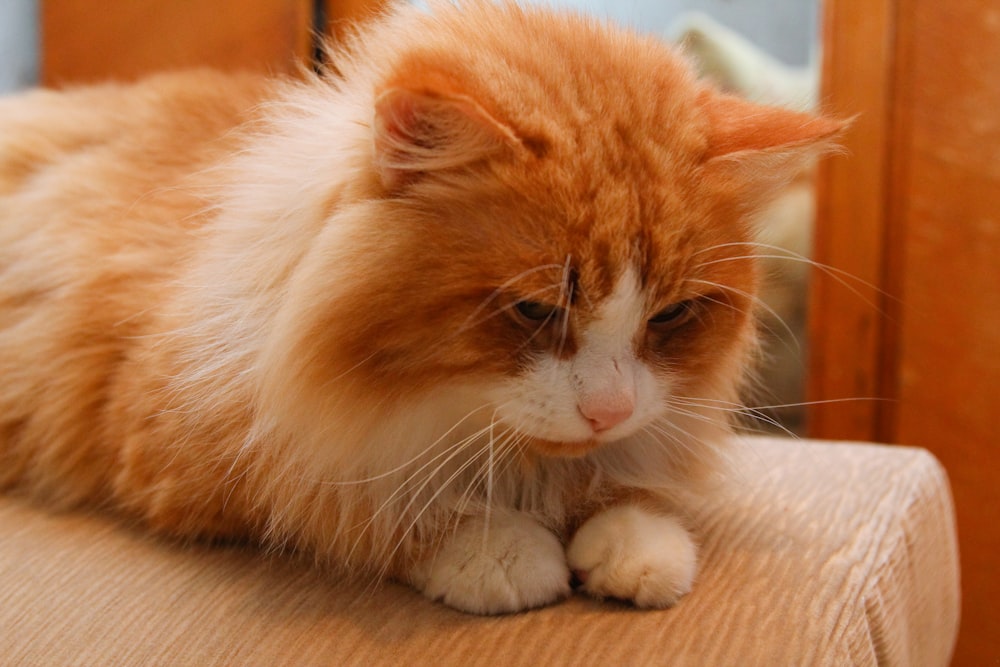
column 469, row 310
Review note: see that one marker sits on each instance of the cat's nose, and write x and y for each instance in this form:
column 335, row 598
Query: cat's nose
column 606, row 414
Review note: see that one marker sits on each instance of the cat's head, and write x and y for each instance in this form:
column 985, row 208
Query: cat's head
column 556, row 219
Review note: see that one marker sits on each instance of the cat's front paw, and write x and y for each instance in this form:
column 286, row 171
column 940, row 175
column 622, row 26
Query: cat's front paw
column 511, row 563
column 630, row 553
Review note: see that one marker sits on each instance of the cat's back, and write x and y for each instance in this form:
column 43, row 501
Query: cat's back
column 145, row 132
column 98, row 187
column 96, row 180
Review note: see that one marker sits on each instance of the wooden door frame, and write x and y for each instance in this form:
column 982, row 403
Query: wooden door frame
column 851, row 373
column 913, row 212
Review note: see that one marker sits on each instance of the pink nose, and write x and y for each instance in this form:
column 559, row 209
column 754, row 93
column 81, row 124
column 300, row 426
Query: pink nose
column 604, row 415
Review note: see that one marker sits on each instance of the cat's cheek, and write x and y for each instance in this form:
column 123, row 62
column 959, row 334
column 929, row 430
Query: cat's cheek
column 629, row 553
column 510, row 564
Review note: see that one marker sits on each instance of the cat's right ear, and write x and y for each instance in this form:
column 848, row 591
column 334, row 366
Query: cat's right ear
column 428, row 127
column 753, row 150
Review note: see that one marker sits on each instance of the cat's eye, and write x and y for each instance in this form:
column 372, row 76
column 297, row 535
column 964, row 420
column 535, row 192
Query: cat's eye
column 672, row 315
column 535, row 311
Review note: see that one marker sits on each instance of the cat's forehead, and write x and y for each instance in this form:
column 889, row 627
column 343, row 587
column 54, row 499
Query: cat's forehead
column 604, row 217
column 591, row 252
column 614, row 291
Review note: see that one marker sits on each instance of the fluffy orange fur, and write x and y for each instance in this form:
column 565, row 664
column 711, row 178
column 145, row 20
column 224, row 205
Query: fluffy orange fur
column 233, row 307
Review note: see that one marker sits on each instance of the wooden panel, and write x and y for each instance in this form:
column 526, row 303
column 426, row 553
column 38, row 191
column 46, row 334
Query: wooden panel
column 948, row 377
column 915, row 209
column 82, row 41
column 847, row 313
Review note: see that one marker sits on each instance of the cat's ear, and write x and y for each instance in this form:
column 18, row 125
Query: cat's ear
column 426, row 125
column 757, row 148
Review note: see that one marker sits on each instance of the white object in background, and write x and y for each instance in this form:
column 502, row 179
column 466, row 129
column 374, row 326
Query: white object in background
column 735, row 63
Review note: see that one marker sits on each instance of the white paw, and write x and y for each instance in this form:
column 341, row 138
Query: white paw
column 516, row 564
column 630, row 553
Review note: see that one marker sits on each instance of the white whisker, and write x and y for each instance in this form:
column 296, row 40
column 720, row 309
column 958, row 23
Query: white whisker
column 747, row 295
column 839, row 275
column 472, row 320
column 420, row 513
column 413, row 459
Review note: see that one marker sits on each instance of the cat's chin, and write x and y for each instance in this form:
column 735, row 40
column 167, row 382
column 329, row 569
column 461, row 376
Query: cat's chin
column 569, row 450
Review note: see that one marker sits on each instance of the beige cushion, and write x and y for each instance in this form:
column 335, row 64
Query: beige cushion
column 813, row 553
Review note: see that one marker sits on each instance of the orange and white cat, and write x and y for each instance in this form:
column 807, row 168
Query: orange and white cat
column 471, row 313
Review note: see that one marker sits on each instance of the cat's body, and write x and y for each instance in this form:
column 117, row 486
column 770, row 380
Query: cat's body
column 470, row 317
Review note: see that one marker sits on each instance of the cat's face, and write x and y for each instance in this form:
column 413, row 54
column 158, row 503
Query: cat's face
column 586, row 317
column 619, row 364
column 570, row 236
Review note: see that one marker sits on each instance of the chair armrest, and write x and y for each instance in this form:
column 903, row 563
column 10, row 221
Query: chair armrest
column 812, row 553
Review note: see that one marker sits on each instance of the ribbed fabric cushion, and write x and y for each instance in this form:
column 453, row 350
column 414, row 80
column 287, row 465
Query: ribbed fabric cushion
column 813, row 553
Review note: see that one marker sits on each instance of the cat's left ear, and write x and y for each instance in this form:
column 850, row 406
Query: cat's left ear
column 756, row 149
column 427, row 124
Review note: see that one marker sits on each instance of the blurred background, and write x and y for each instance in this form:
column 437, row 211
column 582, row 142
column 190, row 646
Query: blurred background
column 786, row 29
column 18, row 44
column 894, row 337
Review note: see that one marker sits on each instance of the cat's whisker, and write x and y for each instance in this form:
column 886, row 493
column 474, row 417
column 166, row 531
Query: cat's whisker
column 441, row 488
column 852, row 399
column 757, row 413
column 400, row 492
column 472, row 320
column 839, row 275
column 790, row 342
column 332, row 381
column 447, row 454
column 786, row 253
column 750, row 297
column 490, row 464
column 719, row 452
column 506, row 445
column 729, row 407
column 415, row 457
column 493, row 451
column 716, row 404
column 566, row 295
column 487, row 476
column 485, row 470
column 666, row 443
column 490, row 447
column 673, row 433
column 403, row 489
column 418, row 360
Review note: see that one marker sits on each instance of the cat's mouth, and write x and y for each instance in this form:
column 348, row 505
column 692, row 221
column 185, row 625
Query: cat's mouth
column 577, row 448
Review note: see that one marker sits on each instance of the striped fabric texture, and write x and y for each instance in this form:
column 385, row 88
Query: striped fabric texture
column 812, row 554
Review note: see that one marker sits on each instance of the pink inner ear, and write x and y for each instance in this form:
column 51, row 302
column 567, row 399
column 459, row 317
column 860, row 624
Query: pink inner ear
column 418, row 131
column 738, row 125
